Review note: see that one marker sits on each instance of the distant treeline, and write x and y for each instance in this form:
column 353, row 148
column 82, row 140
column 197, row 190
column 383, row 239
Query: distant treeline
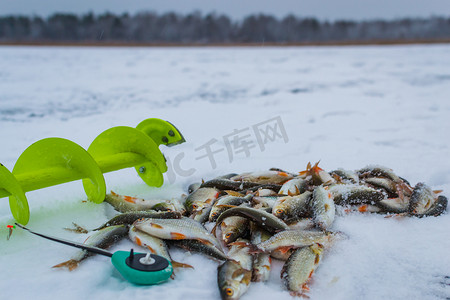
column 195, row 28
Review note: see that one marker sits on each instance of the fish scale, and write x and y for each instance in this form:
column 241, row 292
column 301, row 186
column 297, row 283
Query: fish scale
column 293, row 239
column 176, row 229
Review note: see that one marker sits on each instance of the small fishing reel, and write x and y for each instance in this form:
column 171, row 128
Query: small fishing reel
column 140, row 268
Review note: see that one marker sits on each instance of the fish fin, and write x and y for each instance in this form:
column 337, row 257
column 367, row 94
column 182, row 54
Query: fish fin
column 213, row 231
column 239, row 244
column 299, row 294
column 316, row 169
column 176, row 264
column 246, row 273
column 206, row 242
column 284, row 249
column 77, row 229
column 247, row 277
column 363, row 208
column 156, row 226
column 284, row 174
column 177, row 236
column 438, row 191
column 233, row 193
column 71, row 264
column 397, row 216
column 114, row 194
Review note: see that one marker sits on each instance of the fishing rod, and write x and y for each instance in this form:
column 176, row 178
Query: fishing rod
column 138, row 268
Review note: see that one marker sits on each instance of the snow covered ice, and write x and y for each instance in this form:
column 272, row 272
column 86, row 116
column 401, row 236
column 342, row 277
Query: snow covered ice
column 348, row 107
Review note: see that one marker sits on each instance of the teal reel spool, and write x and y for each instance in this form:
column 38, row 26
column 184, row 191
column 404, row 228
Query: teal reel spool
column 54, row 161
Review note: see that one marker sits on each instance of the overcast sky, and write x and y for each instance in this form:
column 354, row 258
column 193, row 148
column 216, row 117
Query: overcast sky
column 237, row 9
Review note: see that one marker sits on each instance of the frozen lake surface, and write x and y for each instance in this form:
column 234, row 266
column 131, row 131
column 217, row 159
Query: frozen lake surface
column 346, row 106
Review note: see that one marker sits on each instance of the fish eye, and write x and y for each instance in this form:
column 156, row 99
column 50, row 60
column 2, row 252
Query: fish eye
column 229, row 291
column 194, row 206
column 214, row 214
column 228, row 235
column 279, row 211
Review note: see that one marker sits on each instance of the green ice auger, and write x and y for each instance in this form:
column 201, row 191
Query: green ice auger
column 53, row 161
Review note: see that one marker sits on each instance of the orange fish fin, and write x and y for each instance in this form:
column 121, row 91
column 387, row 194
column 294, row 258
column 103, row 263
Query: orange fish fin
column 176, row 264
column 233, row 193
column 284, row 249
column 70, row 264
column 177, row 236
column 156, row 226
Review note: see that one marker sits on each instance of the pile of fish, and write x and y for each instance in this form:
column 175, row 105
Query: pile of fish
column 254, row 217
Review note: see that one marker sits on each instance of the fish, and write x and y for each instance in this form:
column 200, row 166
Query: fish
column 293, row 187
column 233, row 280
column 234, row 276
column 264, row 202
column 438, row 208
column 284, row 171
column 345, row 176
column 228, row 184
column 422, row 199
column 263, row 192
column 193, row 187
column 203, row 197
column 378, row 171
column 264, row 177
column 362, row 208
column 129, row 218
column 290, row 207
column 323, row 207
column 226, row 202
column 301, row 224
column 318, row 175
column 202, row 215
column 394, row 205
column 103, row 238
column 226, row 176
column 241, row 252
column 262, row 261
column 299, row 268
column 282, row 254
column 384, row 183
column 292, row 239
column 233, row 228
column 264, row 219
column 124, row 204
column 196, row 246
column 274, row 187
column 176, row 229
column 170, row 205
column 351, row 194
column 154, row 245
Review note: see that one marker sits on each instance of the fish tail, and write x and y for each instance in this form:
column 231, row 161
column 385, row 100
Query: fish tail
column 176, row 264
column 77, row 229
column 300, row 294
column 71, row 264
